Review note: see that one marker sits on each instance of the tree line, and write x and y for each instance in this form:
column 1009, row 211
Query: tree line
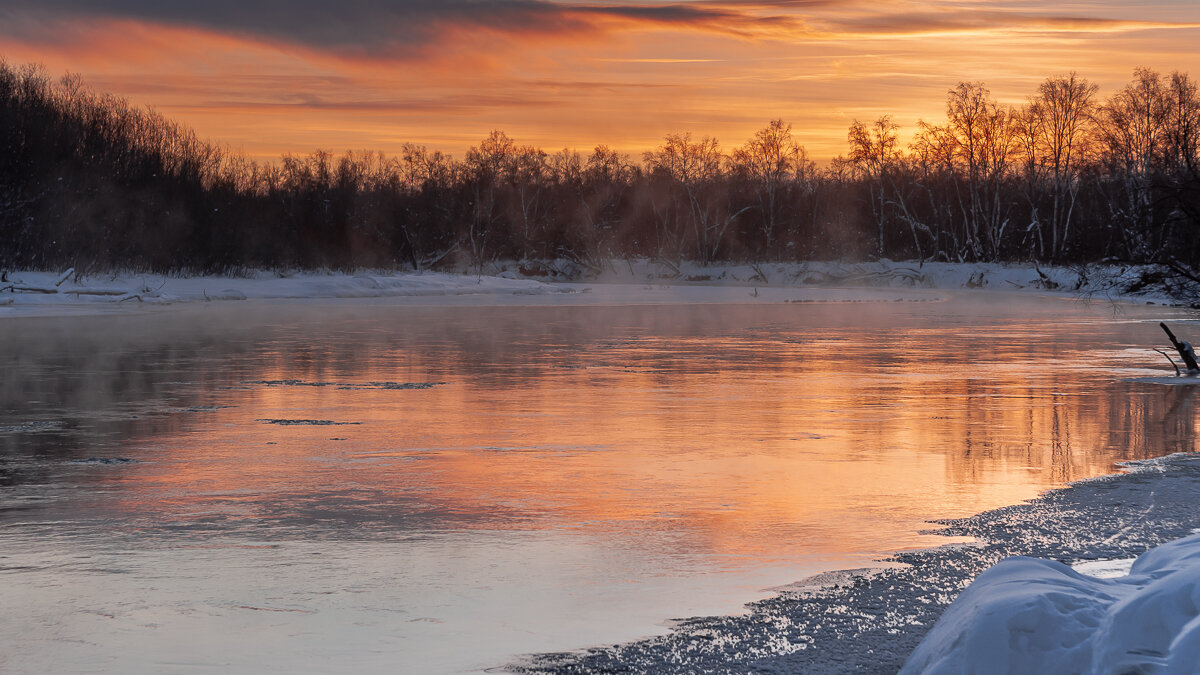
column 89, row 180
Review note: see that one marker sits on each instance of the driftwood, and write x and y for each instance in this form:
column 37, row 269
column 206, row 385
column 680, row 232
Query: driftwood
column 1185, row 351
column 1169, row 360
column 115, row 294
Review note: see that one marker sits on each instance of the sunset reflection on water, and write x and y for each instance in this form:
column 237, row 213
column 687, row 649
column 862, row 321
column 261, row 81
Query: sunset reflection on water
column 755, row 443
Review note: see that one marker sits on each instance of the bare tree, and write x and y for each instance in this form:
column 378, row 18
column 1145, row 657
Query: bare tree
column 1181, row 179
column 772, row 160
column 486, row 165
column 1134, row 131
column 605, row 181
column 934, row 151
column 1183, row 125
column 694, row 168
column 565, row 166
column 875, row 152
column 528, row 176
column 1056, row 125
column 977, row 146
column 608, row 165
column 418, row 167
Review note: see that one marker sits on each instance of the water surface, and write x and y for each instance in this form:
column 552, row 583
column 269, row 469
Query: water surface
column 393, row 487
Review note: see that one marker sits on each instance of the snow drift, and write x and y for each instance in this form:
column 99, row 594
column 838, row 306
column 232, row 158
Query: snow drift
column 1026, row 615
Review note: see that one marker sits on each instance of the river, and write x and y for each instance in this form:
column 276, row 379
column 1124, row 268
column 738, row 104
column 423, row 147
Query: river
column 396, row 486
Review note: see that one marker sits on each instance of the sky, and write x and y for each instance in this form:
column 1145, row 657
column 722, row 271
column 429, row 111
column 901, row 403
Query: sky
column 267, row 77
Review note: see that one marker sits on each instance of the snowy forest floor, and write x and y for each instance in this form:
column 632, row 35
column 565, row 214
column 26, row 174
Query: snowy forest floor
column 871, row 620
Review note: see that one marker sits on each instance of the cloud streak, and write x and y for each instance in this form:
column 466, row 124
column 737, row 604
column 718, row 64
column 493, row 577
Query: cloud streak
column 392, row 28
column 399, row 29
column 929, row 23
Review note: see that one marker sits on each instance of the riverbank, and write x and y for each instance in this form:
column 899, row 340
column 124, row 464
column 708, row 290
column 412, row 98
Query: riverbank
column 40, row 293
column 871, row 620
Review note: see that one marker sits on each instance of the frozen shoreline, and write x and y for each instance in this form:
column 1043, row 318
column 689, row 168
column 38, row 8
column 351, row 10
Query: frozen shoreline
column 871, row 620
column 43, row 293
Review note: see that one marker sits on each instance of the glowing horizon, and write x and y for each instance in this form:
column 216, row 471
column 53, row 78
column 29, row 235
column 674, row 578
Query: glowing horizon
column 294, row 77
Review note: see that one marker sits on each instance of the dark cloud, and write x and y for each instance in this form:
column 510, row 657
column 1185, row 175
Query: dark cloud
column 397, row 28
column 382, row 26
column 928, row 22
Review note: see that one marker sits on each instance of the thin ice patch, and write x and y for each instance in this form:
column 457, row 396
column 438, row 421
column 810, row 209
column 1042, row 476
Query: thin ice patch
column 347, row 385
column 391, row 385
column 314, row 423
column 205, row 408
column 30, row 427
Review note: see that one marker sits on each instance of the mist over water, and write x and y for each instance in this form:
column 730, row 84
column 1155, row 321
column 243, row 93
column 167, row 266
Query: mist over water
column 385, row 487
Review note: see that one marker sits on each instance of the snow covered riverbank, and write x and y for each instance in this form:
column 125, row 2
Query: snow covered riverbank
column 27, row 293
column 43, row 292
column 871, row 620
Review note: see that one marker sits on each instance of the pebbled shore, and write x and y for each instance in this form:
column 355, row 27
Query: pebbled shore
column 870, row 620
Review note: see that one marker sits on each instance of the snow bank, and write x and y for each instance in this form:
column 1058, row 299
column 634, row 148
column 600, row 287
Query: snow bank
column 26, row 293
column 47, row 291
column 1094, row 279
column 1026, row 615
column 884, row 273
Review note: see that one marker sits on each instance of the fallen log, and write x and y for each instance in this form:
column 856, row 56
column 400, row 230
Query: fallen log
column 1185, row 351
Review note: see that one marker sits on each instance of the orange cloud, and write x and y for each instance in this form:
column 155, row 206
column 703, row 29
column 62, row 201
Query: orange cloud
column 568, row 74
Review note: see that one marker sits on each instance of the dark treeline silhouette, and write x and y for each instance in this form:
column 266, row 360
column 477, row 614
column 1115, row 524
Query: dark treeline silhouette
column 89, row 181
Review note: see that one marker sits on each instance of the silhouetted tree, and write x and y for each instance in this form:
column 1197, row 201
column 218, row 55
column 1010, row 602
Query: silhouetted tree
column 772, row 161
column 90, row 181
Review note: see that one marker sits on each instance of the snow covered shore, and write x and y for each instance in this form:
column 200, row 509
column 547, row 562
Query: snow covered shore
column 41, row 292
column 872, row 620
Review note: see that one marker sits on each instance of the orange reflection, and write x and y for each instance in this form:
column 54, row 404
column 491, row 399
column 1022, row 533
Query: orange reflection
column 745, row 434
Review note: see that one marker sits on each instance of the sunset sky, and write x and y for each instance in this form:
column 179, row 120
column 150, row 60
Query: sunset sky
column 270, row 76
